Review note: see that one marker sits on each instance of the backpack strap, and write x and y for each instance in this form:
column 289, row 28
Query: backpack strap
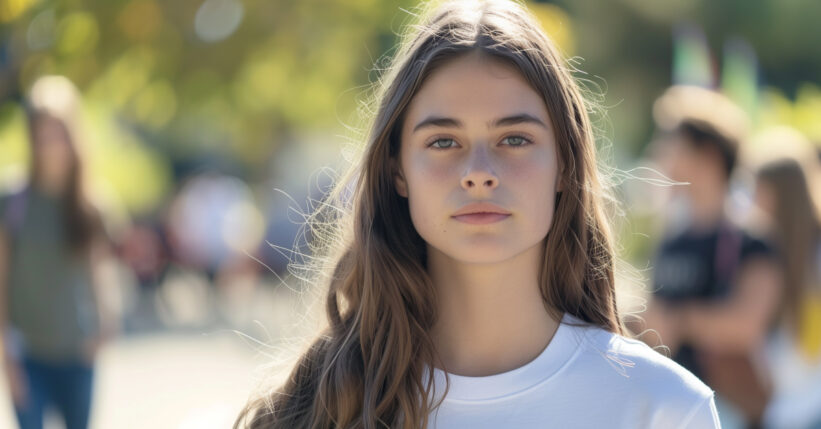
column 728, row 253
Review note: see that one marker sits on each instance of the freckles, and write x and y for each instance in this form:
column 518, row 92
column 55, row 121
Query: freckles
column 439, row 171
column 540, row 166
column 529, row 171
column 432, row 178
column 425, row 167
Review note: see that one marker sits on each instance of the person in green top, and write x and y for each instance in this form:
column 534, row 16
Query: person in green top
column 51, row 243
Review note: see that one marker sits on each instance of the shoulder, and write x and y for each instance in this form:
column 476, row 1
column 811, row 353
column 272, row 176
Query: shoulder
column 752, row 236
column 658, row 388
column 12, row 203
column 754, row 244
column 634, row 362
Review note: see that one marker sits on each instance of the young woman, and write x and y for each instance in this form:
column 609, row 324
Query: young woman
column 794, row 345
column 473, row 284
column 51, row 244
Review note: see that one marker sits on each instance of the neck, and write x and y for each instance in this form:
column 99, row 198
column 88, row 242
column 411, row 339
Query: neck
column 492, row 317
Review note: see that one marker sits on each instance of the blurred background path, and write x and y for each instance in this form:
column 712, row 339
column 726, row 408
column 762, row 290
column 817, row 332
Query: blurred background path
column 176, row 374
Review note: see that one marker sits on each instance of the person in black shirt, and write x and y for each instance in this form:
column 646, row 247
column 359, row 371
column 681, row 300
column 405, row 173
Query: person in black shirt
column 715, row 285
column 700, row 264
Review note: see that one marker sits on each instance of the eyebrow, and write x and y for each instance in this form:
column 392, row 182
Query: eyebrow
column 440, row 121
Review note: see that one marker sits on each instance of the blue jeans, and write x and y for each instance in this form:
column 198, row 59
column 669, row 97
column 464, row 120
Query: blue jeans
column 64, row 385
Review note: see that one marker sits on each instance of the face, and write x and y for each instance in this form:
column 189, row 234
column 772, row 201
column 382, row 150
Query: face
column 765, row 198
column 677, row 158
column 478, row 162
column 52, row 152
column 683, row 161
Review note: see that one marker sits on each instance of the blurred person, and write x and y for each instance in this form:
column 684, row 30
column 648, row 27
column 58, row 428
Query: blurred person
column 470, row 265
column 52, row 242
column 794, row 347
column 715, row 284
column 144, row 249
column 213, row 220
column 215, row 229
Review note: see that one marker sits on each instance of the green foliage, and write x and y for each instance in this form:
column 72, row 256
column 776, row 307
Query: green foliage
column 292, row 66
column 154, row 83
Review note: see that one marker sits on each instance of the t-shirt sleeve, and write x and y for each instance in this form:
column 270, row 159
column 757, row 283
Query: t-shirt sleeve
column 703, row 416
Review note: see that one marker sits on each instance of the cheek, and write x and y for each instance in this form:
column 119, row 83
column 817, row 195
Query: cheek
column 534, row 183
column 427, row 175
column 675, row 161
column 535, row 173
column 429, row 181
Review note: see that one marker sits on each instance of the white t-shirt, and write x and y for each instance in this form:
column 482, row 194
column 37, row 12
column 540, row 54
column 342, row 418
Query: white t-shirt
column 586, row 377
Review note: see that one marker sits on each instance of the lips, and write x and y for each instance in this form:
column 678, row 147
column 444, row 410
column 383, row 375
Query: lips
column 480, row 214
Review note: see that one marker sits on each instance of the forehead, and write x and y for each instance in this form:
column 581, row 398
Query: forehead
column 475, row 88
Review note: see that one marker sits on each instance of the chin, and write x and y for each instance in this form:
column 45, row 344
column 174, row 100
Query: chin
column 484, row 259
column 480, row 252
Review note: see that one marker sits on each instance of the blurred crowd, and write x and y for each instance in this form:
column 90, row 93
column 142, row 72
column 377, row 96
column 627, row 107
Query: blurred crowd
column 76, row 273
column 735, row 290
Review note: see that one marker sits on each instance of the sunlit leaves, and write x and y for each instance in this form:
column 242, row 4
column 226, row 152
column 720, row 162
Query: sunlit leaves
column 77, row 34
column 155, row 104
column 556, row 23
column 141, row 20
column 803, row 114
column 138, row 174
column 12, row 9
column 124, row 77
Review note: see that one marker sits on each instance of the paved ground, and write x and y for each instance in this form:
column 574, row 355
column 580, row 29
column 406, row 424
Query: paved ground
column 167, row 381
column 187, row 371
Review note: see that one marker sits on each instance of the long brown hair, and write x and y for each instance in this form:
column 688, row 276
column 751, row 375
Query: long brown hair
column 55, row 98
column 368, row 368
column 796, row 232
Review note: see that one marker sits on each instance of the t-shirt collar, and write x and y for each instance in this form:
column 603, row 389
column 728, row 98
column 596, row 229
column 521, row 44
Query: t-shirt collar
column 556, row 354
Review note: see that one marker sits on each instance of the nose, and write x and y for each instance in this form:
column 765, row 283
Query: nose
column 479, row 173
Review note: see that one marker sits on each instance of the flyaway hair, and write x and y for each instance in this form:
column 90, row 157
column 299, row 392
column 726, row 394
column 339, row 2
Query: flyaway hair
column 367, row 369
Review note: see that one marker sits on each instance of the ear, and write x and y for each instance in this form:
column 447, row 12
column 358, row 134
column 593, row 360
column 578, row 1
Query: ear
column 399, row 179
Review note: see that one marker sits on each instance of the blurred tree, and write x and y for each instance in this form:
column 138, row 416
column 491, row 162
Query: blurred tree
column 232, row 79
column 176, row 78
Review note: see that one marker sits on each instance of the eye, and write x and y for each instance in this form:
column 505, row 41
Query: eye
column 516, row 141
column 443, row 143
